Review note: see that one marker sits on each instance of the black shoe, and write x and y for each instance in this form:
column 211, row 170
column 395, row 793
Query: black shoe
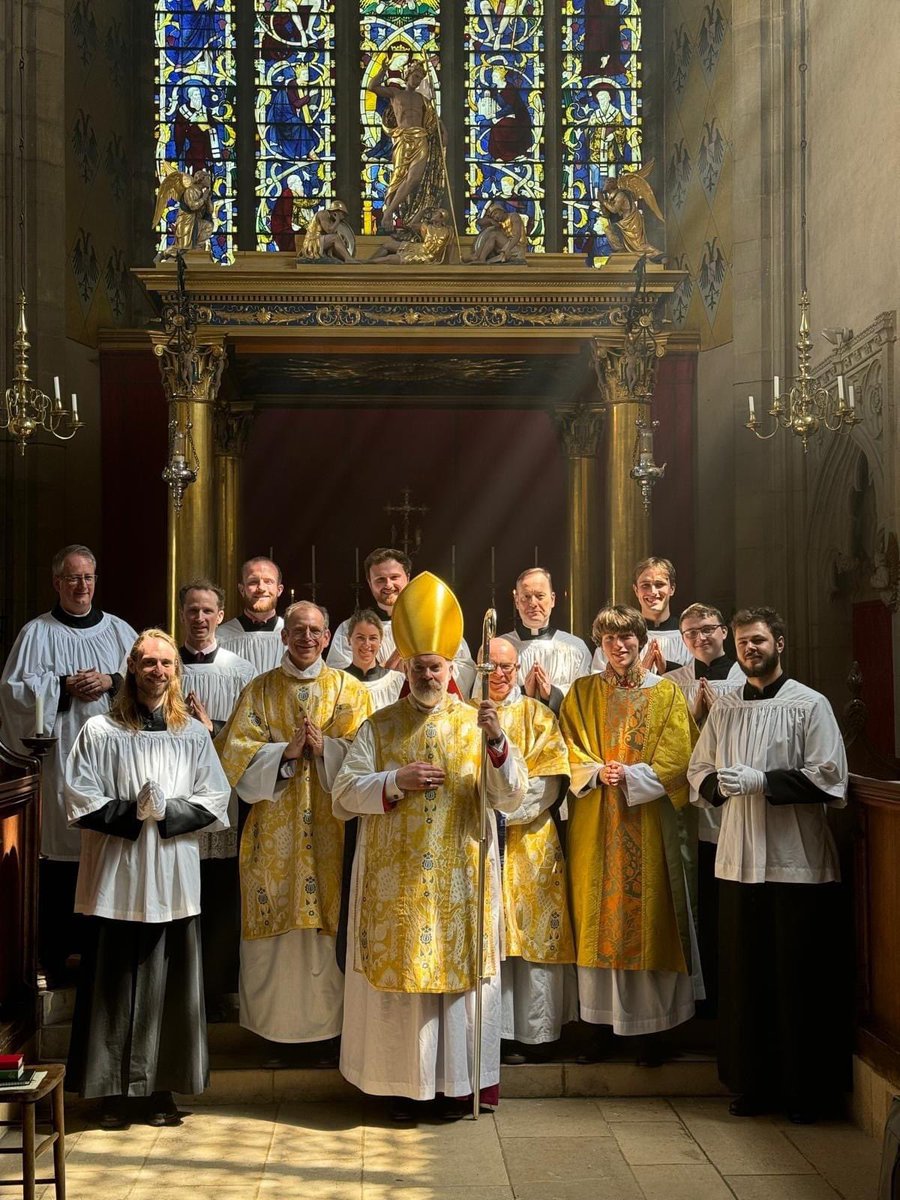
column 453, row 1109
column 513, row 1058
column 748, row 1105
column 162, row 1110
column 650, row 1051
column 327, row 1054
column 113, row 1114
column 803, row 1112
column 401, row 1109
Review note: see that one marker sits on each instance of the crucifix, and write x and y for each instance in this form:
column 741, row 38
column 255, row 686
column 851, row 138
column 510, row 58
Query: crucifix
column 410, row 540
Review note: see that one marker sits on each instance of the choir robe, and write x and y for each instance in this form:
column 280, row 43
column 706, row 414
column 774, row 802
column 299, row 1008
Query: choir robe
column 139, row 1024
column 782, row 1014
column 672, row 644
column 47, row 649
column 637, row 960
column 537, row 978
column 409, row 1002
column 563, row 656
column 339, row 654
column 383, row 686
column 260, row 644
column 291, row 848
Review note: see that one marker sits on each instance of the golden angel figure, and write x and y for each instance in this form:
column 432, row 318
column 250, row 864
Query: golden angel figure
column 621, row 201
column 194, row 223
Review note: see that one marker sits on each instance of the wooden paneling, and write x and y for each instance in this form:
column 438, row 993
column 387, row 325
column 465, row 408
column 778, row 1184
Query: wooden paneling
column 19, row 829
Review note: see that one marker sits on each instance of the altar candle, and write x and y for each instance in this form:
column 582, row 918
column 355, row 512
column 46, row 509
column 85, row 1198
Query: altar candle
column 292, row 595
column 752, row 409
column 74, row 407
column 852, row 396
column 56, row 391
column 535, row 556
column 840, row 383
column 777, row 388
column 271, row 553
column 39, row 715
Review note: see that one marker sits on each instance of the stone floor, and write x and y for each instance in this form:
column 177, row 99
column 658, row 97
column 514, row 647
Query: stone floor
column 635, row 1148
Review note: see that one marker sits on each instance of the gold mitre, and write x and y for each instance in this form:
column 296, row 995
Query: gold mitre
column 427, row 618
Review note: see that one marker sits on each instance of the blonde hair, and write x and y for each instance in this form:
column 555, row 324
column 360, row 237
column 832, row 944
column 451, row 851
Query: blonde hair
column 619, row 618
column 124, row 708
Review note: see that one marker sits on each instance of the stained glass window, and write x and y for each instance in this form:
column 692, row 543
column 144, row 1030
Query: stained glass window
column 601, row 112
column 195, row 100
column 392, row 34
column 505, row 111
column 294, row 55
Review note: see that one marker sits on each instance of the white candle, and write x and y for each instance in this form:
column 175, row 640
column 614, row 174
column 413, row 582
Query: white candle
column 535, row 556
column 56, row 391
column 292, row 595
column 39, row 715
column 852, row 397
column 840, row 383
column 752, row 409
column 271, row 553
column 777, row 388
column 313, row 564
column 74, row 407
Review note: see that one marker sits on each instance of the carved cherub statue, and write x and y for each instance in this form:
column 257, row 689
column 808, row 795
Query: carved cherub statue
column 329, row 236
column 621, row 201
column 194, row 223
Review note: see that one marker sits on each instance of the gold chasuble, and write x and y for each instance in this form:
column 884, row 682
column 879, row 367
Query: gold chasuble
column 535, row 903
column 416, row 902
column 625, row 867
column 292, row 846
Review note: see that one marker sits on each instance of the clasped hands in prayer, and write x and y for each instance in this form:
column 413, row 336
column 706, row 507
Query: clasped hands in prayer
column 88, row 685
column 151, row 803
column 740, row 780
column 308, row 740
column 654, row 659
column 537, row 683
column 612, row 774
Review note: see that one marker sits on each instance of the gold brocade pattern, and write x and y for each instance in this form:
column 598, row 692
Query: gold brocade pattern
column 292, row 845
column 416, row 903
column 625, row 867
column 535, row 900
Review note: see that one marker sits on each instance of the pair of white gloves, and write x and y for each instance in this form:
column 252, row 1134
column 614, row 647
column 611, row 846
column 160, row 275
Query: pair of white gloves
column 151, row 803
column 740, row 780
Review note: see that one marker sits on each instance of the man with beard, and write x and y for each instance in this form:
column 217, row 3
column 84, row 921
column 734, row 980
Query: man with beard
column 387, row 572
column 629, row 735
column 772, row 759
column 256, row 633
column 412, row 776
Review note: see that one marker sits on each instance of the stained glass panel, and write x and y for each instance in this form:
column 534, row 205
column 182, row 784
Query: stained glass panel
column 392, row 33
column 601, row 112
column 195, row 101
column 294, row 57
column 504, row 41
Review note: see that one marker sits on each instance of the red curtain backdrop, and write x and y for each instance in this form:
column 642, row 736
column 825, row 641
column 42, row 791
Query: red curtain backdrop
column 874, row 651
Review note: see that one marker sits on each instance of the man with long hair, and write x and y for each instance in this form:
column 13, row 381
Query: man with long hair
column 141, row 780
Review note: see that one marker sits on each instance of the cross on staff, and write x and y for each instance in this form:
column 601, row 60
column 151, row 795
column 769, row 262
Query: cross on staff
column 406, row 510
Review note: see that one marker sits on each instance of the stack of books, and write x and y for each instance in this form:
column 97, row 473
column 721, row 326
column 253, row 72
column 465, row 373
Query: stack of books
column 13, row 1073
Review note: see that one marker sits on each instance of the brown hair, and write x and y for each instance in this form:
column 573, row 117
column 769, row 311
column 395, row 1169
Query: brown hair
column 385, row 554
column 619, row 618
column 535, row 571
column 59, row 558
column 260, row 558
column 124, row 708
column 762, row 615
column 292, row 608
column 664, row 564
column 365, row 616
column 201, row 585
column 700, row 610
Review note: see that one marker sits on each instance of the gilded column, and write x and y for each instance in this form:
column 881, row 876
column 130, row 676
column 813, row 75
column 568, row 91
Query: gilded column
column 579, row 428
column 232, row 428
column 626, row 376
column 191, row 394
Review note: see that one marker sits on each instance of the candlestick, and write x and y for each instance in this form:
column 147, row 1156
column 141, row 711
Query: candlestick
column 752, row 409
column 852, row 396
column 292, row 595
column 39, row 715
column 777, row 388
column 74, row 407
column 840, row 383
column 56, row 391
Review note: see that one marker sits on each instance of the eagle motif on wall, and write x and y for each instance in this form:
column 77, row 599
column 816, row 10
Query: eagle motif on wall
column 678, row 175
column 680, row 57
column 711, row 156
column 711, row 36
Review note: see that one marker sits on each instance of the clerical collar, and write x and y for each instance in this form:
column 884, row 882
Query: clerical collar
column 664, row 626
column 766, row 693
column 633, row 677
column 528, row 635
column 198, row 658
column 258, row 626
column 373, row 673
column 719, row 668
column 290, row 668
column 152, row 722
column 93, row 617
column 384, row 613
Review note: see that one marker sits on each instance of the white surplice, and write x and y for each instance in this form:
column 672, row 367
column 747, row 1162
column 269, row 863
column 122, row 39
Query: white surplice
column 262, row 648
column 710, row 819
column 670, row 642
column 407, row 1043
column 45, row 650
column 384, row 691
column 563, row 656
column 774, row 843
column 218, row 685
column 152, row 879
column 340, row 655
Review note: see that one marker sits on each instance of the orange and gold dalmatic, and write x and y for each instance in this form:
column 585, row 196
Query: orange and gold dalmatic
column 625, row 868
column 416, row 902
column 535, row 900
column 292, row 846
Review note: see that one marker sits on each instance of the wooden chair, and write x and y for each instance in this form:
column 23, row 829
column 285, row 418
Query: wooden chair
column 51, row 1085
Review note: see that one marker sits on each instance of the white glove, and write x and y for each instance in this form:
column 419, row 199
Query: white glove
column 151, row 803
column 741, row 781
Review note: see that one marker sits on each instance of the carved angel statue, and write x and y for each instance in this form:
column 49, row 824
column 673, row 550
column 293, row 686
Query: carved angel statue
column 621, row 201
column 328, row 237
column 194, row 223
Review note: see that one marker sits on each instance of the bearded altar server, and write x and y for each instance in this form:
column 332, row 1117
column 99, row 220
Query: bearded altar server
column 365, row 633
column 212, row 680
column 280, row 749
column 549, row 659
column 771, row 758
column 64, row 667
column 256, row 633
column 141, row 781
column 387, row 573
column 653, row 584
column 537, row 978
column 629, row 736
column 412, row 775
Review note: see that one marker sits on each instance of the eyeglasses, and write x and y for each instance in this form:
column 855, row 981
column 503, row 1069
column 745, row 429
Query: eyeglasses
column 703, row 631
column 505, row 668
column 73, row 579
column 306, row 631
